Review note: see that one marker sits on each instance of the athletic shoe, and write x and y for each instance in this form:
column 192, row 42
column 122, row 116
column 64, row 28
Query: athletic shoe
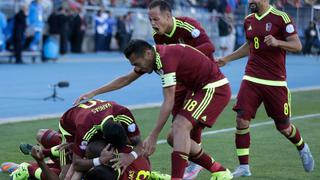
column 8, row 167
column 307, row 159
column 21, row 173
column 242, row 170
column 25, row 148
column 154, row 175
column 221, row 175
column 192, row 171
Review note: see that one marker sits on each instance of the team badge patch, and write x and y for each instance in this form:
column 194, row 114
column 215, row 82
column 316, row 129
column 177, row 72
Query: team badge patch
column 84, row 145
column 195, row 33
column 268, row 27
column 132, row 128
column 290, row 28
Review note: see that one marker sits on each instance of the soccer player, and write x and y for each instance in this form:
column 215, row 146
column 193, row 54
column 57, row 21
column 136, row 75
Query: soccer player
column 171, row 30
column 87, row 121
column 270, row 33
column 208, row 94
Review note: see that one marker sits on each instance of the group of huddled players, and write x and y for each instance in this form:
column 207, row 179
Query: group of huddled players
column 103, row 137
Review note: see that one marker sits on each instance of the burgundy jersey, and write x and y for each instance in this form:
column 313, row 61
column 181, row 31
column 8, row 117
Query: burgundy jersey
column 267, row 62
column 84, row 121
column 187, row 31
column 176, row 63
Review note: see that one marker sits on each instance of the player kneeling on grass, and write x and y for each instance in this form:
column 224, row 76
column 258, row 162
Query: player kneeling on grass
column 50, row 141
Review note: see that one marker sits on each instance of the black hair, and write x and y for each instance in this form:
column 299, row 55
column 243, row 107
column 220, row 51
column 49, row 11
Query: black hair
column 137, row 47
column 94, row 148
column 102, row 172
column 114, row 134
column 163, row 5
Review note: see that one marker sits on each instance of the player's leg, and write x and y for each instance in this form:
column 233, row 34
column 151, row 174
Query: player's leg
column 278, row 107
column 192, row 169
column 248, row 102
column 202, row 109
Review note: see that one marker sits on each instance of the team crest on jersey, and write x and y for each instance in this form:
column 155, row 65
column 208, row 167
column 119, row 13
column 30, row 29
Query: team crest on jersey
column 83, row 145
column 290, row 28
column 268, row 26
column 132, row 128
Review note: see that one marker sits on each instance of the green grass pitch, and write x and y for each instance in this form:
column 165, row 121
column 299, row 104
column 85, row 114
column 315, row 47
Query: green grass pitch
column 272, row 156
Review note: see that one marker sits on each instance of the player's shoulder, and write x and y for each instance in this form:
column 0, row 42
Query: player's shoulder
column 186, row 23
column 281, row 15
column 249, row 16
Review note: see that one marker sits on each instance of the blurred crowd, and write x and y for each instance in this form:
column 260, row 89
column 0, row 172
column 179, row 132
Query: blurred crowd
column 64, row 26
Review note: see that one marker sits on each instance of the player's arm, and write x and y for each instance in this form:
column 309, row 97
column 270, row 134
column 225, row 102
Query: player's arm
column 111, row 86
column 292, row 43
column 37, row 154
column 241, row 52
column 137, row 144
column 165, row 110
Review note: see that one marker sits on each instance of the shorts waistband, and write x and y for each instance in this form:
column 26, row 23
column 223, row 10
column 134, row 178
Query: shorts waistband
column 215, row 84
column 264, row 81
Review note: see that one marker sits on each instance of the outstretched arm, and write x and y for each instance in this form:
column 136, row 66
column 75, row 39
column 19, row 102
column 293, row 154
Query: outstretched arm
column 149, row 143
column 237, row 54
column 111, row 86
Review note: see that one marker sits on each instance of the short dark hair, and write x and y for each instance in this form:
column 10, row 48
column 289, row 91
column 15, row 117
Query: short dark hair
column 114, row 134
column 137, row 47
column 163, row 5
column 94, row 148
column 102, row 172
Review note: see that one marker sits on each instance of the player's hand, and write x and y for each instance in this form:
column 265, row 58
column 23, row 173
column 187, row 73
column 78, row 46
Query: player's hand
column 221, row 62
column 149, row 145
column 65, row 146
column 271, row 41
column 106, row 154
column 122, row 161
column 82, row 97
column 36, row 153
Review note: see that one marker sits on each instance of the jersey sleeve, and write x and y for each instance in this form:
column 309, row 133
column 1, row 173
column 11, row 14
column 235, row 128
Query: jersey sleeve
column 125, row 117
column 288, row 26
column 169, row 61
column 201, row 40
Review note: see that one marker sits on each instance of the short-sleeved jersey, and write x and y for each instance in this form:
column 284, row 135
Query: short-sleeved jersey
column 267, row 62
column 84, row 121
column 186, row 65
column 187, row 31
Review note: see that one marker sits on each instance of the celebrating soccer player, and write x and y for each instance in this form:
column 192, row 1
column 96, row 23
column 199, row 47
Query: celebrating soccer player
column 270, row 33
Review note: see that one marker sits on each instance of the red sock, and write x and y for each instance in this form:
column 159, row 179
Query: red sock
column 296, row 138
column 243, row 144
column 207, row 162
column 32, row 169
column 179, row 162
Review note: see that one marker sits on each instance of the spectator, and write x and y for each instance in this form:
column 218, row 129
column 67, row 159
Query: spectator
column 3, row 25
column 63, row 24
column 36, row 24
column 19, row 28
column 110, row 22
column 225, row 30
column 122, row 35
column 77, row 33
column 100, row 29
column 129, row 25
column 311, row 38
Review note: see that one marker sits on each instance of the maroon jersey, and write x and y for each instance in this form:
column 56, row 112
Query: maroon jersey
column 176, row 63
column 267, row 62
column 84, row 121
column 187, row 31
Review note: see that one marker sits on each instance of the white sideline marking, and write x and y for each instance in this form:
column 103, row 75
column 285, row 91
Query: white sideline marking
column 131, row 107
column 163, row 141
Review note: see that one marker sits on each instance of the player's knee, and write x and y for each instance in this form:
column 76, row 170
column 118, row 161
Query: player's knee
column 242, row 123
column 170, row 138
column 283, row 126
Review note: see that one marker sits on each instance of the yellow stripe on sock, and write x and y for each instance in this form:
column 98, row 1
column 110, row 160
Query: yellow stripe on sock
column 243, row 152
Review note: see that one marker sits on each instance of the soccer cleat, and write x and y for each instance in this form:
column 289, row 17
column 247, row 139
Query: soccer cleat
column 25, row 148
column 307, row 159
column 21, row 173
column 8, row 167
column 192, row 171
column 221, row 175
column 154, row 175
column 242, row 170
